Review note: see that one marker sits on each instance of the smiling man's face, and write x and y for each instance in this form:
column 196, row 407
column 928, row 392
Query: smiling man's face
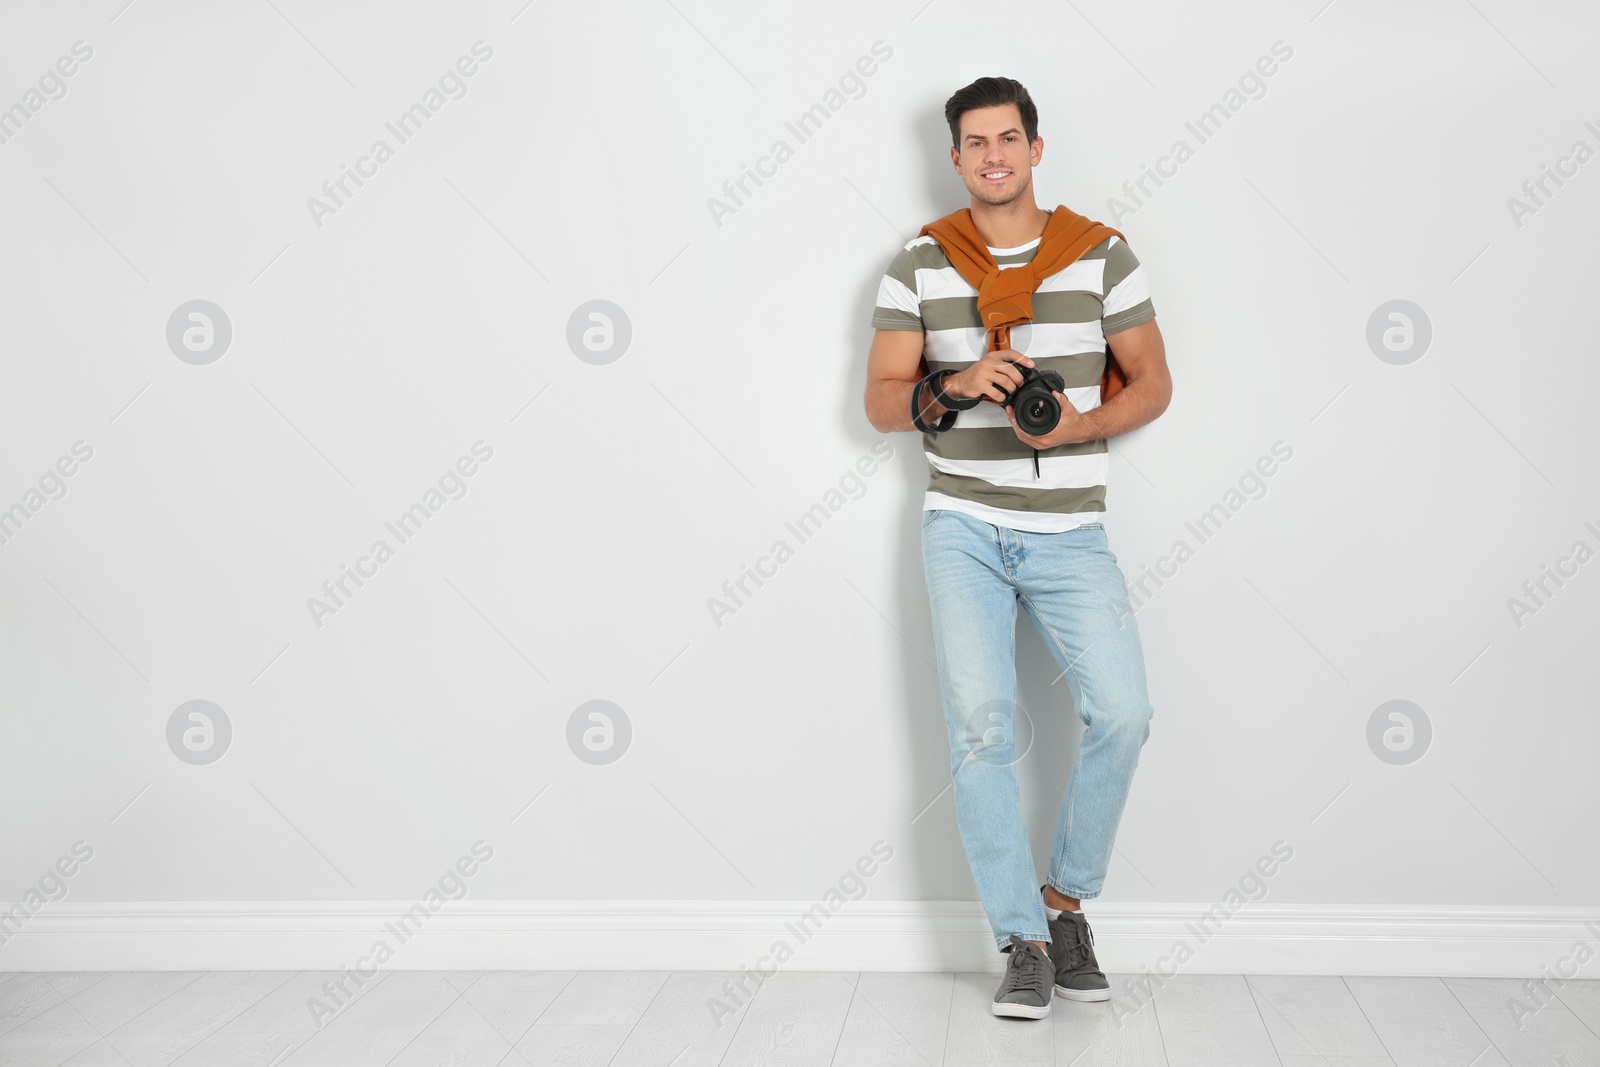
column 995, row 159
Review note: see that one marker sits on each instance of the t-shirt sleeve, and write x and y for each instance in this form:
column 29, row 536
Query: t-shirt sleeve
column 899, row 306
column 1126, row 296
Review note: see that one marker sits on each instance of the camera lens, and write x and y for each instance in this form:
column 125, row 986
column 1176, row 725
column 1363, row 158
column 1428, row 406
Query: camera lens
column 1037, row 411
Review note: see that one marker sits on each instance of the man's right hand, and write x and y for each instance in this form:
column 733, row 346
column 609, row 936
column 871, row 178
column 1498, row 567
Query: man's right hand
column 993, row 377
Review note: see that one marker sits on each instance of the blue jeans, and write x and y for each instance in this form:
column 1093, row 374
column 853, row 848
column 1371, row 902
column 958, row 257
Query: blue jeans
column 1071, row 587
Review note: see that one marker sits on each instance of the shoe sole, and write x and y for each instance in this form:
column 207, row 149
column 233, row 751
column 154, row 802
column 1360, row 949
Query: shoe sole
column 1083, row 994
column 1019, row 1011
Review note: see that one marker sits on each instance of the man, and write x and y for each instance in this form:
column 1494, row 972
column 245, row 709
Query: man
column 998, row 530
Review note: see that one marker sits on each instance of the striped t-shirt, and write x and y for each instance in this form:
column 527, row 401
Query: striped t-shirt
column 979, row 466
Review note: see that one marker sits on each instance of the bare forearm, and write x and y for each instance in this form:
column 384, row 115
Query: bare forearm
column 1137, row 403
column 889, row 405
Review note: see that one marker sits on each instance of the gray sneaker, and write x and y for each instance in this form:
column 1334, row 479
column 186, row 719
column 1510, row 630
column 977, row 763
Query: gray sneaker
column 1025, row 989
column 1078, row 975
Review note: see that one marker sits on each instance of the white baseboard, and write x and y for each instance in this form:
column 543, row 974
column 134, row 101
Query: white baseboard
column 1266, row 938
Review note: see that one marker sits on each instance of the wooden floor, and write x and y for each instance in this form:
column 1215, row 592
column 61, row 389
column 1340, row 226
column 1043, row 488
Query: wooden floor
column 661, row 1019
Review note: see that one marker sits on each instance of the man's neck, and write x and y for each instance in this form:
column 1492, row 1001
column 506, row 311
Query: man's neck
column 1009, row 225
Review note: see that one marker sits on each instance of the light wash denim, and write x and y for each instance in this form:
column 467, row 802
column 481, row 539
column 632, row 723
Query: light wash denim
column 1071, row 587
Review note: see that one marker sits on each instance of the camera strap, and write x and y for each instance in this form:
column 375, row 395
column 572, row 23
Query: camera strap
column 999, row 338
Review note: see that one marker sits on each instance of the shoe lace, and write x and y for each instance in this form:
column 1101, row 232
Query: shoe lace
column 1079, row 951
column 1024, row 968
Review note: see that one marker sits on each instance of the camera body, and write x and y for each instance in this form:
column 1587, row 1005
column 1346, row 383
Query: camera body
column 1037, row 411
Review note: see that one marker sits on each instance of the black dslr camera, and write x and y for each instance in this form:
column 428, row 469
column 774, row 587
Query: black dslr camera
column 1037, row 411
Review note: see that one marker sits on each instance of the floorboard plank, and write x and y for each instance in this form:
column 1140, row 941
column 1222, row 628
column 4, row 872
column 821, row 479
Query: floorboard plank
column 794, row 1020
column 1205, row 1039
column 49, row 1038
column 165, row 1031
column 287, row 1009
column 124, row 995
column 460, row 1037
column 25, row 995
column 1204, row 992
column 512, row 1001
column 1582, row 997
column 374, row 1029
column 1552, row 1036
column 680, row 1026
column 1312, row 1015
column 1100, row 1035
column 604, row 997
column 1421, row 1024
column 977, row 1036
column 865, row 1042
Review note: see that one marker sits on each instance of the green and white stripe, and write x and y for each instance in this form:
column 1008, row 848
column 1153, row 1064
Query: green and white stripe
column 978, row 466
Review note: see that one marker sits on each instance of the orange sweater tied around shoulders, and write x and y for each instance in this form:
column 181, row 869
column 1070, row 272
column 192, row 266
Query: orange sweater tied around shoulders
column 1005, row 296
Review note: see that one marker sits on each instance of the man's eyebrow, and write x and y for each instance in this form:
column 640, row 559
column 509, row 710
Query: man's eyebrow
column 1002, row 133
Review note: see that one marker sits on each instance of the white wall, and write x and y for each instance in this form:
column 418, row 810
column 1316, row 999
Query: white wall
column 372, row 348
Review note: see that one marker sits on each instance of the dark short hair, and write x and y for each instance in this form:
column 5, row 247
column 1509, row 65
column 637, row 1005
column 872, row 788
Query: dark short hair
column 991, row 92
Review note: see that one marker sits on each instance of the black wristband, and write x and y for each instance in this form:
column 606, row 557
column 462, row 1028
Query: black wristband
column 945, row 421
column 963, row 404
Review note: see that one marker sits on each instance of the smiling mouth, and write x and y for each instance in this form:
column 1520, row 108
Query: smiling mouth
column 995, row 177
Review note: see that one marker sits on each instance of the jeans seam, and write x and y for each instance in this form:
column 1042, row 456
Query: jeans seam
column 1003, row 944
column 1066, row 830
column 1075, row 894
column 1077, row 763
